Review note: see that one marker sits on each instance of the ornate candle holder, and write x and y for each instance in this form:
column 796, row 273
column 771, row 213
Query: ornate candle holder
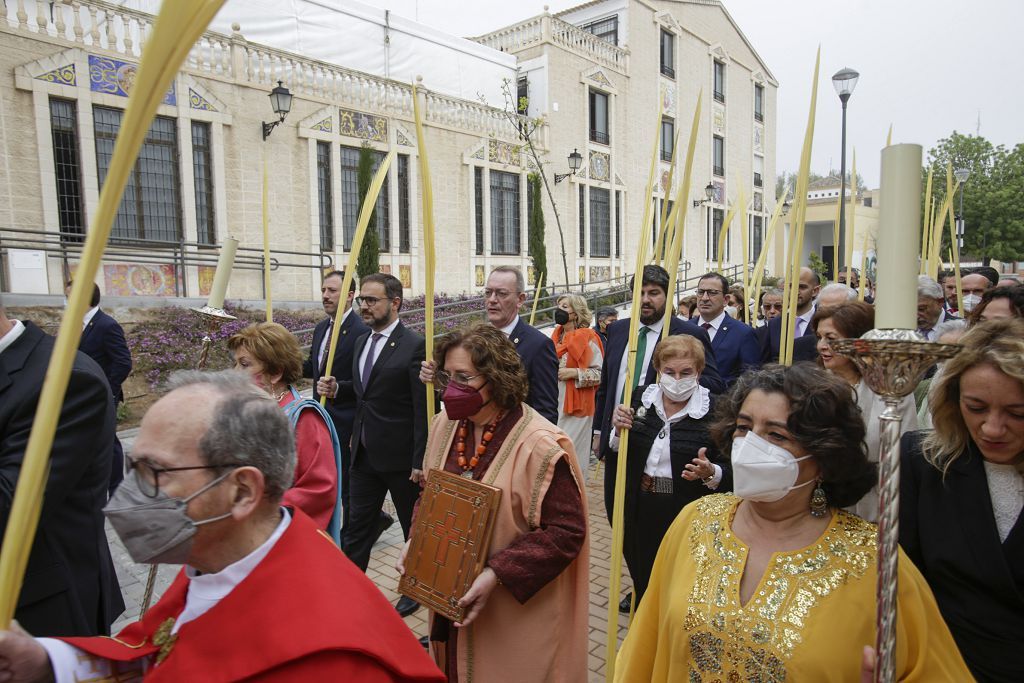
column 214, row 318
column 892, row 363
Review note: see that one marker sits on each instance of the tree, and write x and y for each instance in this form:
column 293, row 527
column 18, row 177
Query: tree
column 369, row 254
column 815, row 263
column 515, row 112
column 535, row 228
column 993, row 215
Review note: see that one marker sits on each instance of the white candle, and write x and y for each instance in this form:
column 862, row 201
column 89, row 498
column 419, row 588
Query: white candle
column 225, row 263
column 899, row 238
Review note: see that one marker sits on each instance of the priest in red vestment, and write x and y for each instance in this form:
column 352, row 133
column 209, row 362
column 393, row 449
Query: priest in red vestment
column 264, row 595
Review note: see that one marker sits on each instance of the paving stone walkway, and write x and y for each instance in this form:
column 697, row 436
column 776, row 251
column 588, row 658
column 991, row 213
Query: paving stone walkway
column 382, row 572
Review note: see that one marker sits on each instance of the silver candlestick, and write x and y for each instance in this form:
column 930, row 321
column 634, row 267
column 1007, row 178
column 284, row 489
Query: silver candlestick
column 214, row 318
column 892, row 363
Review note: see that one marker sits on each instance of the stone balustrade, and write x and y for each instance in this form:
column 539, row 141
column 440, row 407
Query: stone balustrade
column 99, row 25
column 545, row 28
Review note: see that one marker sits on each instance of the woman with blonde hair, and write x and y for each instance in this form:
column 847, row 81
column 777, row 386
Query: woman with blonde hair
column 961, row 495
column 580, row 355
column 271, row 355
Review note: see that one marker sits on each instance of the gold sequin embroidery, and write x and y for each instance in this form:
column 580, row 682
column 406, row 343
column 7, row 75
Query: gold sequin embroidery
column 752, row 643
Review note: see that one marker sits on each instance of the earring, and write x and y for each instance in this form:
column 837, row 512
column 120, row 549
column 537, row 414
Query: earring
column 819, row 503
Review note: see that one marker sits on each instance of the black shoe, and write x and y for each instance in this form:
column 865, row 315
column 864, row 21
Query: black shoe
column 406, row 606
column 624, row 604
column 384, row 524
column 425, row 642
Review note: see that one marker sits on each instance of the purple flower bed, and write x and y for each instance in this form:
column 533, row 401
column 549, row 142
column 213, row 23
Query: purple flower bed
column 466, row 309
column 172, row 338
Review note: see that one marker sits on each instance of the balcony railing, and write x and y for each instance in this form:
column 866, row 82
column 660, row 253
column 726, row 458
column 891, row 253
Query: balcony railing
column 545, row 28
column 667, row 70
column 759, row 117
column 757, row 180
column 599, row 136
column 719, row 171
column 100, row 25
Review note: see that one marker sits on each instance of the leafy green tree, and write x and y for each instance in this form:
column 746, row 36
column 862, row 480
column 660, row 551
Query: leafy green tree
column 815, row 263
column 369, row 255
column 535, row 228
column 993, row 215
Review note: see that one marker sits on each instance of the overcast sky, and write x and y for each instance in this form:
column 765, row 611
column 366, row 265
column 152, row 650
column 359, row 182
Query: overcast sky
column 927, row 66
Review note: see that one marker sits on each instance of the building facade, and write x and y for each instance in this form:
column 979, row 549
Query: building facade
column 595, row 78
column 822, row 217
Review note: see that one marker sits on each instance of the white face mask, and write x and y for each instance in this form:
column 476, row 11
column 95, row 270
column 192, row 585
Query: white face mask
column 678, row 389
column 970, row 301
column 762, row 471
column 731, row 311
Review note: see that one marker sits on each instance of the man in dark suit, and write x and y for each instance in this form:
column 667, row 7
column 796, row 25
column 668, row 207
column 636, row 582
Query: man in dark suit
column 810, row 284
column 733, row 342
column 342, row 407
column 389, row 432
column 103, row 341
column 504, row 294
column 70, row 587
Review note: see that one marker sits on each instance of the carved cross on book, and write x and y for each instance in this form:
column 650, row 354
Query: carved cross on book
column 449, row 541
column 447, row 536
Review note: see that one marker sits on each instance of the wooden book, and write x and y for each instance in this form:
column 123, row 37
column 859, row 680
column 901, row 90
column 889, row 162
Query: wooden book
column 449, row 541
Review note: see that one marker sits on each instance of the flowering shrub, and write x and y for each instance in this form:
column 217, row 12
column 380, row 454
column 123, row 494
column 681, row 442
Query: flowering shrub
column 464, row 309
column 172, row 337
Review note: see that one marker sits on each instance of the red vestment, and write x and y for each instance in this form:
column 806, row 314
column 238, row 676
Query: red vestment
column 304, row 613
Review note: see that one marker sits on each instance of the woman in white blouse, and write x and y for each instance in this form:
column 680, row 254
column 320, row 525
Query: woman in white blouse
column 672, row 460
column 961, row 496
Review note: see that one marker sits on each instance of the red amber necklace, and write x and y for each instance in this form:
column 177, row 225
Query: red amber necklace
column 485, row 440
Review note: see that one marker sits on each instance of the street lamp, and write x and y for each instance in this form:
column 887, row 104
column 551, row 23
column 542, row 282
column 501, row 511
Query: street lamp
column 961, row 175
column 844, row 81
column 709, row 192
column 575, row 161
column 281, row 103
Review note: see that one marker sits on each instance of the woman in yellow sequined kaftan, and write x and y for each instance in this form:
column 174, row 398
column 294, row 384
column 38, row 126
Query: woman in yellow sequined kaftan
column 777, row 582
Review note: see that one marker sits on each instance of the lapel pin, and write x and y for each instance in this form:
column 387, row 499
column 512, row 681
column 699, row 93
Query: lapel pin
column 516, row 340
column 344, row 331
column 641, row 412
column 392, row 343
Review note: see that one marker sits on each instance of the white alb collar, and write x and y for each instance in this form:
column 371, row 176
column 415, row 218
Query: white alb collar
column 215, row 586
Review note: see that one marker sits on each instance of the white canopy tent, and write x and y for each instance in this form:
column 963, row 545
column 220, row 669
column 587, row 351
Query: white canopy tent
column 363, row 38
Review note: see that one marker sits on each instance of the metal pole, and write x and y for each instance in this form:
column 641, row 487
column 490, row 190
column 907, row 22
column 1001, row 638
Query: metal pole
column 888, row 535
column 842, row 199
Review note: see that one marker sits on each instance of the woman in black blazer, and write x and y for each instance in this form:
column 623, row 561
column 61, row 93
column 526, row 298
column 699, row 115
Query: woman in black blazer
column 667, row 467
column 962, row 491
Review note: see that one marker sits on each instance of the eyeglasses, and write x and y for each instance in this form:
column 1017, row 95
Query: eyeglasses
column 148, row 475
column 368, row 301
column 442, row 378
column 708, row 293
column 771, row 307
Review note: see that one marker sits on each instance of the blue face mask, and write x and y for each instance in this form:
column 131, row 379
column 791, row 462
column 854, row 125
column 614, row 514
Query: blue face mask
column 155, row 530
